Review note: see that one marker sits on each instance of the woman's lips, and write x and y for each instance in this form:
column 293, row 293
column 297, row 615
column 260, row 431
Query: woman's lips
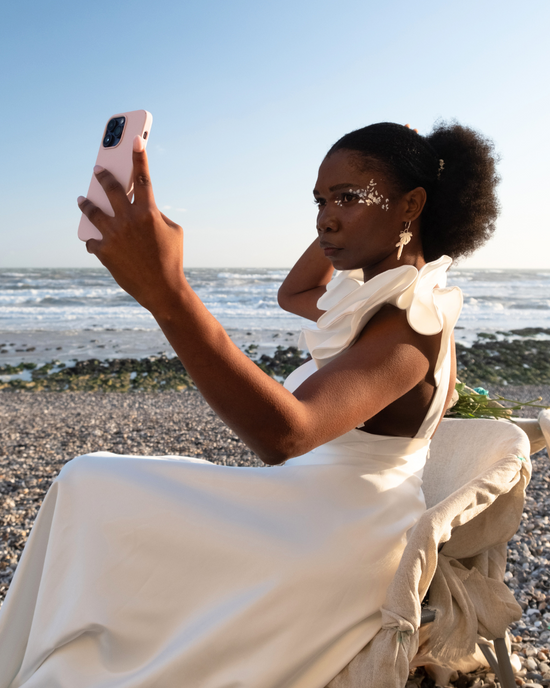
column 331, row 250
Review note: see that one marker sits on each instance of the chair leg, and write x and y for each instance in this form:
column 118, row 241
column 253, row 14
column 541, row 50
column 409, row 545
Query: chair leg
column 490, row 657
column 501, row 663
column 507, row 679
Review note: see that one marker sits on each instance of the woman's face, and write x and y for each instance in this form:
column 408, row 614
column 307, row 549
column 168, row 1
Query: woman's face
column 359, row 218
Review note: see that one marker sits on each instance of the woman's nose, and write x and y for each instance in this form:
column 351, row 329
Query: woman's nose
column 327, row 220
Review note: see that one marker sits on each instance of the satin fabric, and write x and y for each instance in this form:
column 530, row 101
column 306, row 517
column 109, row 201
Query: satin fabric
column 172, row 571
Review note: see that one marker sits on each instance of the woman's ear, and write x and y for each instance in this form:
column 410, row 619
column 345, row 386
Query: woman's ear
column 414, row 202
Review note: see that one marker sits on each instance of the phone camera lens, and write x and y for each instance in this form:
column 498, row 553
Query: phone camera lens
column 118, row 131
column 108, row 140
column 112, row 124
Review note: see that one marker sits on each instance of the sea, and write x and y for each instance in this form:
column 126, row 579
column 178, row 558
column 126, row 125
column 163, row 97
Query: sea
column 76, row 313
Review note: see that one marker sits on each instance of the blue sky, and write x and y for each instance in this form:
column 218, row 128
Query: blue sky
column 246, row 99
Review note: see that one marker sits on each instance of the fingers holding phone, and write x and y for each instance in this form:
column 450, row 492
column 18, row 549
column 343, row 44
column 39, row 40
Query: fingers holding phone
column 125, row 214
column 116, row 155
column 141, row 247
column 143, row 190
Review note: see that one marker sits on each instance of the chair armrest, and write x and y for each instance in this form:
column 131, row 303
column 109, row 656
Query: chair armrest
column 531, row 427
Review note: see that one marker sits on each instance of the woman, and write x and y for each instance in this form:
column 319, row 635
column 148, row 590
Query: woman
column 143, row 572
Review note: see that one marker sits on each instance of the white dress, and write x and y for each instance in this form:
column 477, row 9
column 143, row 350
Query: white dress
column 161, row 572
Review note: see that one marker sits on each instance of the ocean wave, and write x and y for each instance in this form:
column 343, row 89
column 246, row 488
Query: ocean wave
column 55, row 298
column 272, row 276
column 242, row 298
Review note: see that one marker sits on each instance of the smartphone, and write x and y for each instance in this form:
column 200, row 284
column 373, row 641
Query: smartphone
column 115, row 155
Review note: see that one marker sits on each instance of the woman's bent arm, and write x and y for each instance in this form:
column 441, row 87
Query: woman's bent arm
column 306, row 283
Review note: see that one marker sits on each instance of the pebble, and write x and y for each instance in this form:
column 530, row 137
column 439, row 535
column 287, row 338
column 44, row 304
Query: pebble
column 533, row 676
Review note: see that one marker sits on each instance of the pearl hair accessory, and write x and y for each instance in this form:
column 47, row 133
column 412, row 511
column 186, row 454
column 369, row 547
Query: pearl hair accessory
column 404, row 237
column 441, row 166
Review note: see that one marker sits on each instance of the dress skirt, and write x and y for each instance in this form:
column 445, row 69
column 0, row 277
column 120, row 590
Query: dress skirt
column 145, row 572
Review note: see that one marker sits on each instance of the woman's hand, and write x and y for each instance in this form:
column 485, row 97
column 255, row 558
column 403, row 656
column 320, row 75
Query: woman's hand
column 141, row 247
column 306, row 283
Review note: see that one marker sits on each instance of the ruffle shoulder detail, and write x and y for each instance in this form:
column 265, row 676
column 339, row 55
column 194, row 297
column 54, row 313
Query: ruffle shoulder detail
column 349, row 303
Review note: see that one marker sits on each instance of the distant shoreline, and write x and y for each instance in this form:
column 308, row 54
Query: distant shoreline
column 490, row 362
column 44, row 346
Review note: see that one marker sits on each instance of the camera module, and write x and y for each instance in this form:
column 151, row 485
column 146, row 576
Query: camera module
column 113, row 134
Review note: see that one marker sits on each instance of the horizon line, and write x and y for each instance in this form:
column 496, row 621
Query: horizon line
column 238, row 267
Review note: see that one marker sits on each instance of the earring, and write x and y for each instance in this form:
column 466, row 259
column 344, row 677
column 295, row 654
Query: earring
column 404, row 237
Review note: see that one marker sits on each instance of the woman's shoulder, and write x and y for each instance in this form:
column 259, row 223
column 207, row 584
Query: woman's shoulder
column 390, row 326
column 405, row 297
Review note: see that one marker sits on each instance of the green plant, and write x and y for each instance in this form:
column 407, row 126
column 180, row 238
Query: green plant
column 476, row 403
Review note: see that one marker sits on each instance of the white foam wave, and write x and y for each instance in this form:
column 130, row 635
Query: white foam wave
column 243, row 276
column 21, row 296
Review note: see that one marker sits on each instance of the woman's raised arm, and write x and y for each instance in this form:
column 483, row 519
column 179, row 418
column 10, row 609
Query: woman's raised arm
column 143, row 250
column 306, row 283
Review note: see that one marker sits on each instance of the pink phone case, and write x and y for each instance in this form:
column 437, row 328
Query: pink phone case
column 118, row 160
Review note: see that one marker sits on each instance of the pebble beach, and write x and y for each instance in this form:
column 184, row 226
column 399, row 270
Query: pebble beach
column 83, row 368
column 41, row 431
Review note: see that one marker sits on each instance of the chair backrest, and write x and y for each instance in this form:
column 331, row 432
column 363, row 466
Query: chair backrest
column 462, row 449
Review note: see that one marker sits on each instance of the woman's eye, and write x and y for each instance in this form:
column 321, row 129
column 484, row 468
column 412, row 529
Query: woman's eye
column 348, row 197
column 319, row 202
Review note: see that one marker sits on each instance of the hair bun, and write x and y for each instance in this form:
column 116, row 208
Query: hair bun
column 461, row 215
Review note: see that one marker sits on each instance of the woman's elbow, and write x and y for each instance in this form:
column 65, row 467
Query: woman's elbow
column 284, row 299
column 272, row 458
column 283, row 449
